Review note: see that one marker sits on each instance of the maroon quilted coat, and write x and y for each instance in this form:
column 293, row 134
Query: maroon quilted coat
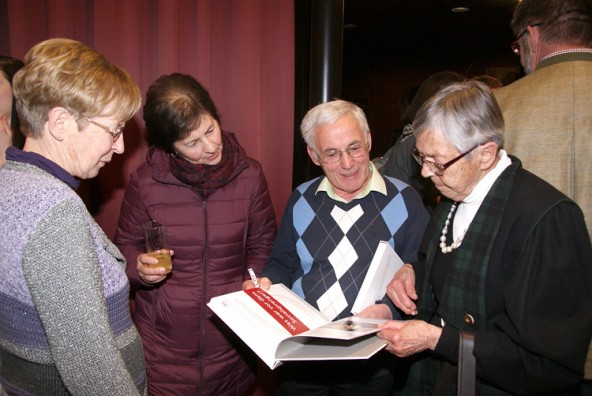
column 188, row 350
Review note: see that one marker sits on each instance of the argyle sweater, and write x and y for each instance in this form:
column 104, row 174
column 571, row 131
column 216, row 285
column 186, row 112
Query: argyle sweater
column 324, row 247
column 65, row 325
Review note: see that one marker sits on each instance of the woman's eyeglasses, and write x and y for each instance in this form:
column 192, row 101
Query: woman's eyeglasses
column 435, row 167
column 115, row 133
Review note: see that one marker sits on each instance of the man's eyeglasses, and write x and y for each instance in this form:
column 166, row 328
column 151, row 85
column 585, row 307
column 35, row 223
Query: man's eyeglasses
column 334, row 155
column 115, row 133
column 516, row 43
column 435, row 167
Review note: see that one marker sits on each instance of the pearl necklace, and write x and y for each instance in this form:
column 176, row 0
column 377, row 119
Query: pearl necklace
column 454, row 244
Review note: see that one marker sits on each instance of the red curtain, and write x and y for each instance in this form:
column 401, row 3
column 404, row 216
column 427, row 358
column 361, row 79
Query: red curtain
column 241, row 50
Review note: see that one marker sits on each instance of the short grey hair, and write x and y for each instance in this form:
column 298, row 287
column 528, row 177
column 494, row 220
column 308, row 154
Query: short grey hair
column 466, row 114
column 327, row 114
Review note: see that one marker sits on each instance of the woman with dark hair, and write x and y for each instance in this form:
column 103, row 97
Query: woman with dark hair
column 10, row 134
column 215, row 203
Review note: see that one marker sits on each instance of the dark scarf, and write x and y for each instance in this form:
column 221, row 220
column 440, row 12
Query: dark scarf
column 205, row 179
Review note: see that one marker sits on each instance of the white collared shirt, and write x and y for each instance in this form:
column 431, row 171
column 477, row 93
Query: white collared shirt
column 375, row 183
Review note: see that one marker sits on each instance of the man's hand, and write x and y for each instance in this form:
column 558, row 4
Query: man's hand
column 264, row 283
column 378, row 311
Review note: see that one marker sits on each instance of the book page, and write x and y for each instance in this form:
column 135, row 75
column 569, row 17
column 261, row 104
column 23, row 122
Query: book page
column 263, row 322
column 345, row 329
column 312, row 348
column 385, row 264
column 279, row 325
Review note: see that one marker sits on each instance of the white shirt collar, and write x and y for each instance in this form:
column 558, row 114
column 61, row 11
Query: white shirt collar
column 470, row 205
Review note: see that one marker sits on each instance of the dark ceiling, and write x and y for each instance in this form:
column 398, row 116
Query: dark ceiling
column 416, row 30
column 392, row 45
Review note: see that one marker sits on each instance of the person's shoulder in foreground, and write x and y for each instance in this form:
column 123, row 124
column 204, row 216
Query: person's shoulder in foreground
column 69, row 328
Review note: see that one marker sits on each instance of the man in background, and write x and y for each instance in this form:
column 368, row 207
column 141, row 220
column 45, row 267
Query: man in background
column 548, row 113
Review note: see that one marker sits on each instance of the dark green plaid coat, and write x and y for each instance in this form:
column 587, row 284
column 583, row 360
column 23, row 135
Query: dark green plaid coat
column 524, row 275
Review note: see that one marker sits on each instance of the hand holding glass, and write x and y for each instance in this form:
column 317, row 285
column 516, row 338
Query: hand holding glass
column 155, row 235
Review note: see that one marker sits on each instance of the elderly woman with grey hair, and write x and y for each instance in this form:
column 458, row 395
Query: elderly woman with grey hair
column 506, row 258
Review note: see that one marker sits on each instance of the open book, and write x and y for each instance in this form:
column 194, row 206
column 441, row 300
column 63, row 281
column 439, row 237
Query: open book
column 278, row 325
column 385, row 263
